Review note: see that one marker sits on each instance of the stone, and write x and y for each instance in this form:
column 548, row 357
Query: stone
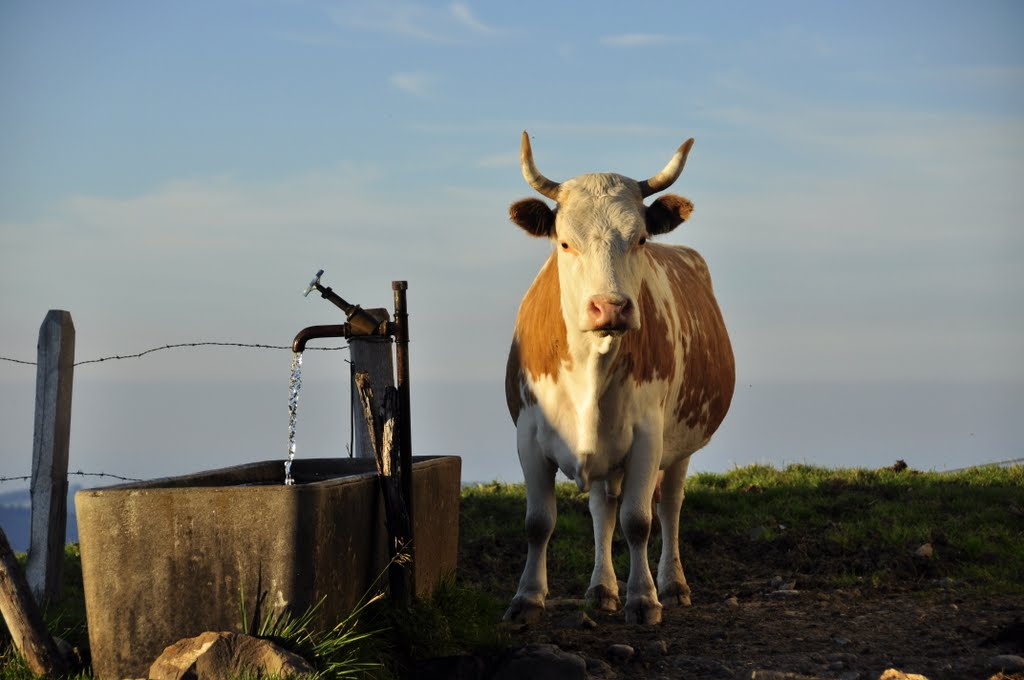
column 620, row 653
column 1007, row 663
column 895, row 674
column 599, row 668
column 656, row 648
column 783, row 594
column 732, row 601
column 577, row 620
column 541, row 662
column 213, row 655
column 925, row 551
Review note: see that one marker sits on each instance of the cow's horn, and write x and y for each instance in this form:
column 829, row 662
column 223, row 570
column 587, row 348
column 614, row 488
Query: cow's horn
column 532, row 175
column 669, row 174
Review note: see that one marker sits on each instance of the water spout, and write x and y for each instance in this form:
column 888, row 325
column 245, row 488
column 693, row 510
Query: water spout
column 338, row 330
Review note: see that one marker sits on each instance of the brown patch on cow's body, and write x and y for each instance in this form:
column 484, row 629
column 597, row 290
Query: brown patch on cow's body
column 540, row 345
column 709, row 370
column 646, row 354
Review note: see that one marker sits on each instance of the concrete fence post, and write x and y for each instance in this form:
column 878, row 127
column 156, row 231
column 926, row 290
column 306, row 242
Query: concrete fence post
column 55, row 369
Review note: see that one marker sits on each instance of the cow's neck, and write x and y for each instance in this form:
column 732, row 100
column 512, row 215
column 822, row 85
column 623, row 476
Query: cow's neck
column 592, row 359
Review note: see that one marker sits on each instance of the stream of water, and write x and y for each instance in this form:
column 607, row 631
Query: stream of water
column 294, row 385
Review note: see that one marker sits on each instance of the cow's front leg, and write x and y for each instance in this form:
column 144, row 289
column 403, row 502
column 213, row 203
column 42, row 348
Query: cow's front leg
column 528, row 604
column 603, row 592
column 642, row 605
column 672, row 587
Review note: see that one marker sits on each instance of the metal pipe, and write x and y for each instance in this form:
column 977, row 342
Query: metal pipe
column 360, row 321
column 401, row 333
column 338, row 330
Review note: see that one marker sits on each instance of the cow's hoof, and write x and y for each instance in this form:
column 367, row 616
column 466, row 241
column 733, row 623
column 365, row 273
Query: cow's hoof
column 675, row 594
column 643, row 610
column 523, row 610
column 602, row 598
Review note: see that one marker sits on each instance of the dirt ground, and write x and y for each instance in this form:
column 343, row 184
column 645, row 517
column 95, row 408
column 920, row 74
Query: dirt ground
column 750, row 613
column 938, row 633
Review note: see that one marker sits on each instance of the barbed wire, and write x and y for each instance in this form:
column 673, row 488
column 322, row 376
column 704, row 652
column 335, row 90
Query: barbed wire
column 115, row 357
column 25, row 478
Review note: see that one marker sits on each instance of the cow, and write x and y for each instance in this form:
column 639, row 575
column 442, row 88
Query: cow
column 620, row 369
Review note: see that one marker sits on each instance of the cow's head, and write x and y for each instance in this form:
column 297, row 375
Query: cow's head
column 600, row 227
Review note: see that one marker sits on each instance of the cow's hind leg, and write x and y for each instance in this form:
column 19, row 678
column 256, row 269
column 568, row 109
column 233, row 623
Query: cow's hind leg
column 672, row 587
column 528, row 604
column 603, row 592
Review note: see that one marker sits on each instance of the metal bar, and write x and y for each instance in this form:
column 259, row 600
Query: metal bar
column 401, row 327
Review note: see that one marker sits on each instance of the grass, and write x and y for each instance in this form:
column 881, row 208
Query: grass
column 840, row 526
column 836, row 528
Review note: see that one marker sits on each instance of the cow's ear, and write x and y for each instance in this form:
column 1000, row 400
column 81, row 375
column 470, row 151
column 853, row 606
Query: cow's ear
column 533, row 216
column 667, row 213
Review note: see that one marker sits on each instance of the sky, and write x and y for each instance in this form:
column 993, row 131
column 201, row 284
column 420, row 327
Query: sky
column 176, row 173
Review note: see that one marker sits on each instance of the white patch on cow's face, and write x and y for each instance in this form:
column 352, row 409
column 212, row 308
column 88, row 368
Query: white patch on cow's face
column 600, row 231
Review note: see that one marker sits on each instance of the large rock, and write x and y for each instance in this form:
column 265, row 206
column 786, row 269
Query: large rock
column 542, row 662
column 211, row 656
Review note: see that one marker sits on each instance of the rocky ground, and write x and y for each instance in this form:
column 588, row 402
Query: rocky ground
column 746, row 622
column 848, row 634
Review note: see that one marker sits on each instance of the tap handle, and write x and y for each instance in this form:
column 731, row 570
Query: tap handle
column 313, row 283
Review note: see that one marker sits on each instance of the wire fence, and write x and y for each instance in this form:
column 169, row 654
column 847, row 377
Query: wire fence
column 116, row 357
column 80, row 473
column 179, row 345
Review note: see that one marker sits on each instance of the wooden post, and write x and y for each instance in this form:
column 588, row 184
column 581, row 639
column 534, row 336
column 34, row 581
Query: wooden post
column 371, row 355
column 23, row 618
column 55, row 369
column 385, row 440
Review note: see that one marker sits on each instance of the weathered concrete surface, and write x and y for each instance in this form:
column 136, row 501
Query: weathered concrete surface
column 169, row 559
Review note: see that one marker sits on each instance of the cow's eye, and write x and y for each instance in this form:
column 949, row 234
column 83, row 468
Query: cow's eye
column 643, row 240
column 565, row 246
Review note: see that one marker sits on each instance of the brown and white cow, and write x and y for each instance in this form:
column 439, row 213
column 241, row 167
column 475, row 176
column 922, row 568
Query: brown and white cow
column 620, row 369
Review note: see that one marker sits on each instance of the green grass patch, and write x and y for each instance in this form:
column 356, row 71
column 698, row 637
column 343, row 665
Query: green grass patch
column 837, row 526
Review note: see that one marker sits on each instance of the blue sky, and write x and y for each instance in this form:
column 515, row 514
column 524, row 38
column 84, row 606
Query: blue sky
column 175, row 172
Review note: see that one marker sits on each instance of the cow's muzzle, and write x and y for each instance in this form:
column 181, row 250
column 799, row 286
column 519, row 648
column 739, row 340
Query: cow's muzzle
column 610, row 313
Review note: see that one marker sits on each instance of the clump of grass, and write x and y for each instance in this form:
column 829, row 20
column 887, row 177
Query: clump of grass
column 454, row 620
column 349, row 649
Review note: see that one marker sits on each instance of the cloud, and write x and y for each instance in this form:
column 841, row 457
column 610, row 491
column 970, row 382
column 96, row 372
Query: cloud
column 462, row 12
column 639, row 40
column 442, row 24
column 417, row 84
column 500, row 160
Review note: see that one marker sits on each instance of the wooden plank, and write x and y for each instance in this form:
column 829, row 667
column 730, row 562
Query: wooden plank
column 55, row 369
column 23, row 618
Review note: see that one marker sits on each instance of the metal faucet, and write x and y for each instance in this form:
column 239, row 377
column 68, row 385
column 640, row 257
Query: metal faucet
column 364, row 324
column 360, row 322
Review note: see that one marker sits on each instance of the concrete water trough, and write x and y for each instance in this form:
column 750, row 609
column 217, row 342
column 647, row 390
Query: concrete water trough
column 172, row 558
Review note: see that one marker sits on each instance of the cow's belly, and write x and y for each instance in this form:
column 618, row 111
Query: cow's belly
column 561, row 434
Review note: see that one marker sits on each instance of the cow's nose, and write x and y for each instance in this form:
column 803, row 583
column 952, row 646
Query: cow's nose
column 610, row 311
